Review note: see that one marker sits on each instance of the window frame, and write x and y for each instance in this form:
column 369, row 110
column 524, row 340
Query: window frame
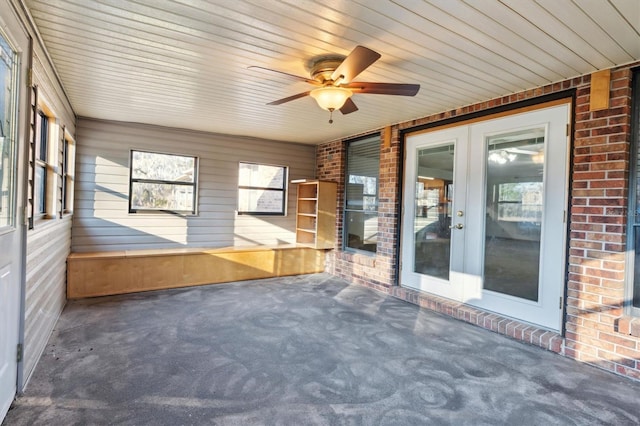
column 67, row 174
column 284, row 190
column 42, row 163
column 44, row 168
column 194, row 184
column 371, row 138
column 632, row 288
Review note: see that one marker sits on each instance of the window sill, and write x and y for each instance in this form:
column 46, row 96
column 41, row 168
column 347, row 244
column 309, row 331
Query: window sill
column 358, row 252
column 177, row 213
column 279, row 214
column 628, row 325
column 42, row 222
column 359, row 257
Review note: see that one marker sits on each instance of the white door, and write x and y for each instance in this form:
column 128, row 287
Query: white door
column 13, row 47
column 484, row 214
column 434, row 189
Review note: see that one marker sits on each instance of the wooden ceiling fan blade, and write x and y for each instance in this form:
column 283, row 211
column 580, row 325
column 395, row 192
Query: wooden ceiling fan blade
column 348, row 107
column 293, row 76
column 289, row 99
column 358, row 60
column 383, row 88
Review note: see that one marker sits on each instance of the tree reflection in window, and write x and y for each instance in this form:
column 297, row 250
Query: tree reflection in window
column 162, row 182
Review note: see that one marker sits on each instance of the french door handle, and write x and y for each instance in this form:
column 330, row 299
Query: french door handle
column 457, row 226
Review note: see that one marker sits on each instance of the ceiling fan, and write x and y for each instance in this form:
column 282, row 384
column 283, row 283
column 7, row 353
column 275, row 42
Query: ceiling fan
column 333, row 74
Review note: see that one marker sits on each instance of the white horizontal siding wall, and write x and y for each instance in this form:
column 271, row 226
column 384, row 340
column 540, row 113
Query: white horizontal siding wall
column 101, row 218
column 49, row 243
column 48, row 246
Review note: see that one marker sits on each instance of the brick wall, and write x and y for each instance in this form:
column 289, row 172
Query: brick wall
column 596, row 285
column 374, row 271
column 597, row 332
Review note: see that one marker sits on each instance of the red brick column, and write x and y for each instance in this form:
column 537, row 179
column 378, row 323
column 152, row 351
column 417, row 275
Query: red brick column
column 596, row 285
column 388, row 210
column 330, row 165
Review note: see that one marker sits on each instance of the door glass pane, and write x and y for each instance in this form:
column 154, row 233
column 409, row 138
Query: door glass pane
column 7, row 133
column 635, row 218
column 434, row 192
column 636, row 275
column 515, row 194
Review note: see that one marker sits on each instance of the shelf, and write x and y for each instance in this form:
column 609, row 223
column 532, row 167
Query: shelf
column 316, row 214
column 308, row 190
column 311, row 231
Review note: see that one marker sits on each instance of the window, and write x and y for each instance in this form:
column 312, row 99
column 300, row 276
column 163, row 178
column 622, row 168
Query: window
column 45, row 163
column 633, row 289
column 361, row 198
column 262, row 189
column 8, row 144
column 42, row 145
column 68, row 155
column 162, row 182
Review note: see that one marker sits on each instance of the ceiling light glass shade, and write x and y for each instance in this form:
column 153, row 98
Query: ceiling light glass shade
column 331, row 98
column 538, row 158
column 502, row 157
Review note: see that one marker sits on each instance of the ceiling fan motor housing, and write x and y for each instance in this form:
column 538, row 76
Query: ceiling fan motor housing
column 322, row 67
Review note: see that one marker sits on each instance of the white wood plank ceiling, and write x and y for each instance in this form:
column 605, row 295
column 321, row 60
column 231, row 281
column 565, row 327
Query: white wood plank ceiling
column 183, row 63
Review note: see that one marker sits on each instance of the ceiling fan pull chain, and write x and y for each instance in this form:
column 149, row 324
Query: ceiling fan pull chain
column 330, row 115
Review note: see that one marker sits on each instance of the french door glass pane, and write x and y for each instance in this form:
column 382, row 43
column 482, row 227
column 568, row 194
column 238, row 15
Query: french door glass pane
column 434, row 192
column 515, row 195
column 636, row 276
column 635, row 218
column 7, row 144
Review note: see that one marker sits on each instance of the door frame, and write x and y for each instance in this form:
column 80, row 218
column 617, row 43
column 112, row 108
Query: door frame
column 567, row 97
column 15, row 28
column 22, row 202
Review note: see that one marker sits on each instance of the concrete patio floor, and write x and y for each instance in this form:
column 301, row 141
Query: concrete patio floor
column 304, row 350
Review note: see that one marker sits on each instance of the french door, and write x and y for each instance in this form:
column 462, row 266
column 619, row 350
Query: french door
column 484, row 214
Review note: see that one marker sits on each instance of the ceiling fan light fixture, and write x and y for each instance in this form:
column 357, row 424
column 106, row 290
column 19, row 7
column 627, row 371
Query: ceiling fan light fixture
column 331, row 98
column 538, row 157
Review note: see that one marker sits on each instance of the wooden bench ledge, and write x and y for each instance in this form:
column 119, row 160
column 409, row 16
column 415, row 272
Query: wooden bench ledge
column 181, row 251
column 128, row 271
